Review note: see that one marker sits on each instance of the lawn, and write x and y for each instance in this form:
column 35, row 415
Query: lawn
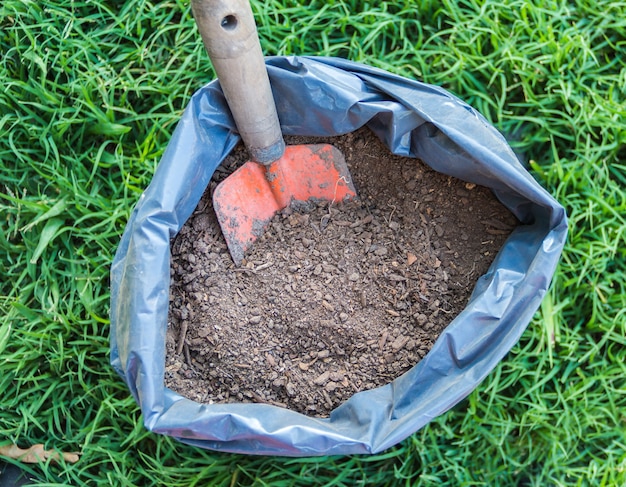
column 91, row 92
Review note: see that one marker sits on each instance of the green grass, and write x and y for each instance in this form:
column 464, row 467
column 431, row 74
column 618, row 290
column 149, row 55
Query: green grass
column 91, row 92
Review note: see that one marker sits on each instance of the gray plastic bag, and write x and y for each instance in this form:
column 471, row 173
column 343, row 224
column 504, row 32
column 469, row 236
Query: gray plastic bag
column 327, row 97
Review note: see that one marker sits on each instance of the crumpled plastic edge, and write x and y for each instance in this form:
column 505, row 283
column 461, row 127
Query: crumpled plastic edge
column 326, row 97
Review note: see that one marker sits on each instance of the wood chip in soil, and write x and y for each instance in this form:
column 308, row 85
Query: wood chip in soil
column 334, row 299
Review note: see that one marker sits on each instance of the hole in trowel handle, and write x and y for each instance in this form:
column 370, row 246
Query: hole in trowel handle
column 229, row 22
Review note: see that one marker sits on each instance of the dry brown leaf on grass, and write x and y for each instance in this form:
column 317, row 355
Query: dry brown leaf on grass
column 36, row 454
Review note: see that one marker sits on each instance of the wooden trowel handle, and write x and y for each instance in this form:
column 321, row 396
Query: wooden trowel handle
column 230, row 37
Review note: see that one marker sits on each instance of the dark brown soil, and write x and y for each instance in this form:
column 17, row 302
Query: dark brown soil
column 334, row 300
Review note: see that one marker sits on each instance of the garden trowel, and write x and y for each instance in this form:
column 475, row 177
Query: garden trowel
column 276, row 176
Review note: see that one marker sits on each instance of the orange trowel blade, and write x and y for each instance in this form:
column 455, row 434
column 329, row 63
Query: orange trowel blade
column 246, row 201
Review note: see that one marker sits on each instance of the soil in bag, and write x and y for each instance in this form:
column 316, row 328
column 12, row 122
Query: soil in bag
column 332, row 299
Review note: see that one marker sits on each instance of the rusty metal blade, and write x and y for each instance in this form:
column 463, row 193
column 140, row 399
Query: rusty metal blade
column 247, row 200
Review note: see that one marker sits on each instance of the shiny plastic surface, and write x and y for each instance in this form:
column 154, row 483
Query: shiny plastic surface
column 323, row 96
